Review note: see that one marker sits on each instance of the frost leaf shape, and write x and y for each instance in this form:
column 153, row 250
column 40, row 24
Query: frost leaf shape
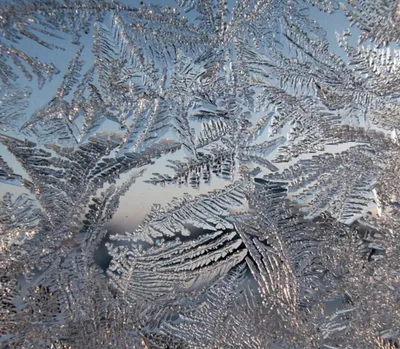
column 53, row 264
column 12, row 108
column 369, row 17
column 313, row 183
column 8, row 176
column 43, row 71
column 303, row 133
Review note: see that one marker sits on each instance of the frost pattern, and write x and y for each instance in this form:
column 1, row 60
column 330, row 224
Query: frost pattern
column 287, row 142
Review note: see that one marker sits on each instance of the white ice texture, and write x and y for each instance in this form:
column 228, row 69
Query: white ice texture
column 255, row 145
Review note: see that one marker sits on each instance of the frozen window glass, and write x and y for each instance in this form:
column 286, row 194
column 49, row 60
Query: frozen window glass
column 208, row 174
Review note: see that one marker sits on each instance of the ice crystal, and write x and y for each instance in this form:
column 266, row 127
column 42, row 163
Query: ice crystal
column 265, row 147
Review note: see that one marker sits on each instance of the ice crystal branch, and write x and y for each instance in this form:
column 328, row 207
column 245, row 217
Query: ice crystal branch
column 297, row 247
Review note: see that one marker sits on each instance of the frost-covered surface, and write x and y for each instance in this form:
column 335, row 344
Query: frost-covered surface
column 269, row 151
